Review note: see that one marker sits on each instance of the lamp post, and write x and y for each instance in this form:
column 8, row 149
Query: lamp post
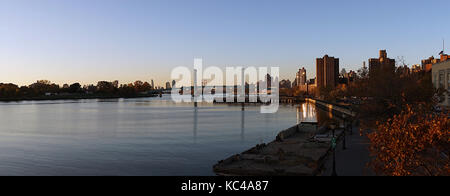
column 333, row 146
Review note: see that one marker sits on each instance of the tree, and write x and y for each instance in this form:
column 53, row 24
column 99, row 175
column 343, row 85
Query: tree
column 44, row 86
column 343, row 72
column 138, row 83
column 104, row 87
column 44, row 82
column 412, row 143
column 75, row 88
column 9, row 90
column 139, row 86
column 387, row 91
column 363, row 73
column 127, row 90
column 146, row 86
column 326, row 93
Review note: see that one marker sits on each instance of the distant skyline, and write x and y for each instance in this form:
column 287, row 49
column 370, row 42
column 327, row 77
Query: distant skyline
column 91, row 40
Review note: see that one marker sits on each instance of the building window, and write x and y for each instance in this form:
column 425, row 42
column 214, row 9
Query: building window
column 448, row 80
column 441, row 79
column 448, row 86
column 435, row 82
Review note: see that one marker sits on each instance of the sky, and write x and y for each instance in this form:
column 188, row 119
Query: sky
column 67, row 41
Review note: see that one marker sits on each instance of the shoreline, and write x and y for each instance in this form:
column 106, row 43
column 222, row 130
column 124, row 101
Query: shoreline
column 302, row 150
column 72, row 97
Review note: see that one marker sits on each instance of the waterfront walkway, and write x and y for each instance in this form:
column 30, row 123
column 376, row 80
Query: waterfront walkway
column 352, row 161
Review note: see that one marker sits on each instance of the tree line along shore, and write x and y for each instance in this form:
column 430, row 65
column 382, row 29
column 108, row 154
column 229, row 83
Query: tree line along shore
column 45, row 90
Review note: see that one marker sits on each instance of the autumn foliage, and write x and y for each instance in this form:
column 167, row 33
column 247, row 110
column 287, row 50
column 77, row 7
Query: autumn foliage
column 412, row 143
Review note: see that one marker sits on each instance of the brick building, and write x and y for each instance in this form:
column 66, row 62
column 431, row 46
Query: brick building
column 382, row 63
column 327, row 72
column 427, row 64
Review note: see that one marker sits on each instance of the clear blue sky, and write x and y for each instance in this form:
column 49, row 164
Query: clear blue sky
column 89, row 40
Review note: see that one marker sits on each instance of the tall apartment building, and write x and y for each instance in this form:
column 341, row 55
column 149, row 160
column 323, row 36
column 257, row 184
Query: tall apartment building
column 327, row 72
column 301, row 77
column 441, row 79
column 382, row 63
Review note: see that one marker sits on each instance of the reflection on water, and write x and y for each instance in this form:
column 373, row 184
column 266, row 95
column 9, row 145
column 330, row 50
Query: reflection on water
column 243, row 123
column 149, row 136
column 307, row 112
column 195, row 124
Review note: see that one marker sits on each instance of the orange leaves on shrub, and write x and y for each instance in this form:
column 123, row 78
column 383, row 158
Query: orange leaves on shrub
column 412, row 143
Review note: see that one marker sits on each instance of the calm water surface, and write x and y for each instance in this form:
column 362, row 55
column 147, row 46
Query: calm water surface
column 150, row 136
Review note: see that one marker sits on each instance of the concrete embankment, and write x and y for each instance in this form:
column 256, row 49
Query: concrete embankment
column 335, row 109
column 298, row 151
column 301, row 150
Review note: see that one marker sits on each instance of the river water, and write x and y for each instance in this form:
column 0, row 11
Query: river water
column 147, row 136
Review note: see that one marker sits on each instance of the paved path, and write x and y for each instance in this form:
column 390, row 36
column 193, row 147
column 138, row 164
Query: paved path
column 352, row 161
